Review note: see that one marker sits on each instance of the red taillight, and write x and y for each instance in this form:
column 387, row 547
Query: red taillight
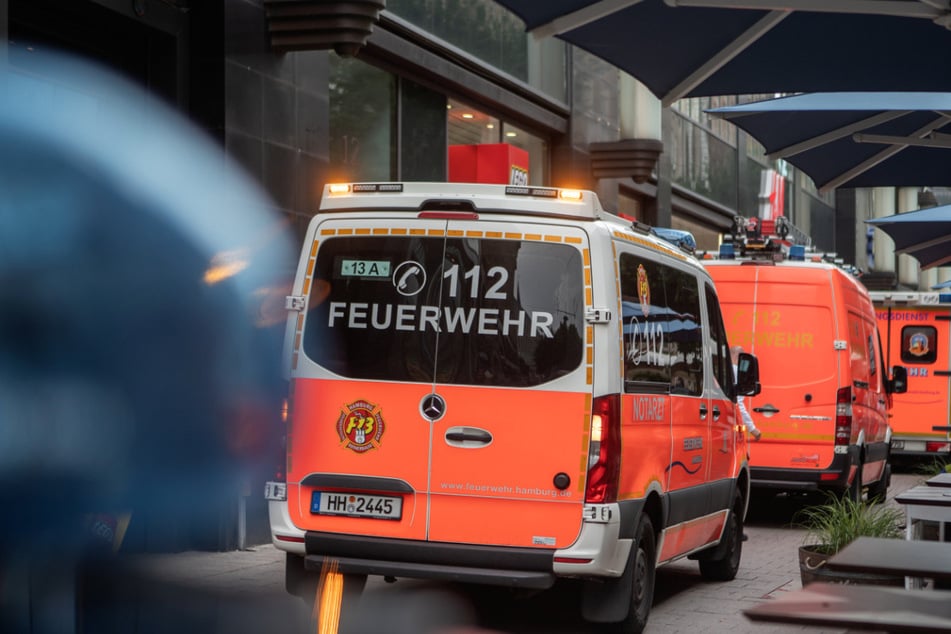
column 604, row 450
column 288, row 538
column 938, row 446
column 843, row 416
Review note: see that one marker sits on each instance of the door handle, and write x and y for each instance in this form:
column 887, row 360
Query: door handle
column 769, row 409
column 467, row 436
column 716, row 412
column 703, row 411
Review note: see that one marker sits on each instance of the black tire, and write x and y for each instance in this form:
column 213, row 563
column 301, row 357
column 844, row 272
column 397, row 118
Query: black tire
column 878, row 491
column 643, row 558
column 725, row 567
column 854, row 490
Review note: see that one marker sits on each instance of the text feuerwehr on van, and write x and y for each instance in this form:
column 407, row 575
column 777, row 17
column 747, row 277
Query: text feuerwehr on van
column 482, row 321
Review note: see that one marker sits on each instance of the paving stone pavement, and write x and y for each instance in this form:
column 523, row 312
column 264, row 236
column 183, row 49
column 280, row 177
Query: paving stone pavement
column 252, row 581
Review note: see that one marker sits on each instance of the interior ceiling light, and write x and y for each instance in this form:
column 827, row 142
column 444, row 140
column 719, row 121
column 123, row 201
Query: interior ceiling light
column 467, row 115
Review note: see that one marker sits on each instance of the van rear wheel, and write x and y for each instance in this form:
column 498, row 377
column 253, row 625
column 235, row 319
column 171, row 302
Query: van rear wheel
column 725, row 567
column 854, row 491
column 643, row 560
column 878, row 491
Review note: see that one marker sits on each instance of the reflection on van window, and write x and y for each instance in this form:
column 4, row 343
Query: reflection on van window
column 462, row 311
column 663, row 342
column 919, row 344
column 722, row 361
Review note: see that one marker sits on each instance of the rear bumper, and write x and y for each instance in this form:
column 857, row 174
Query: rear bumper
column 515, row 567
column 920, row 447
column 835, row 476
column 599, row 551
column 284, row 535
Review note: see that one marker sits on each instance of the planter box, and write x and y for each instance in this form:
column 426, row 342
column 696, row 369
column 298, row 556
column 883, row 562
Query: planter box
column 812, row 567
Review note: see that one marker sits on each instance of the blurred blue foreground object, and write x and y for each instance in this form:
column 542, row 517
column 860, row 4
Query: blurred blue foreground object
column 135, row 374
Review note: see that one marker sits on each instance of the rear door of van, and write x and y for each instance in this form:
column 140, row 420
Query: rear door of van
column 442, row 383
column 787, row 319
column 869, row 405
column 917, row 337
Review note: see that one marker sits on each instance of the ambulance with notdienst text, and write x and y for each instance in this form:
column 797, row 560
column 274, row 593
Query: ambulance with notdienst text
column 915, row 329
column 505, row 385
column 826, row 391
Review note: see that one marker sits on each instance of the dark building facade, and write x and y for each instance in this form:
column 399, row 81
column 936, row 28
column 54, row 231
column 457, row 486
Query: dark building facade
column 297, row 114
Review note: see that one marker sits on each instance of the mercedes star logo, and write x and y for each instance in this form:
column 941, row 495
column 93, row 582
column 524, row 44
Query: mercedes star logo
column 433, row 407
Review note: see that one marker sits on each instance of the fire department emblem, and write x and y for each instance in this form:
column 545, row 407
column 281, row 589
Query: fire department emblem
column 643, row 290
column 360, row 426
column 918, row 345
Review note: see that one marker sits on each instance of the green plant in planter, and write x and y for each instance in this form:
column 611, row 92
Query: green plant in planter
column 937, row 466
column 833, row 525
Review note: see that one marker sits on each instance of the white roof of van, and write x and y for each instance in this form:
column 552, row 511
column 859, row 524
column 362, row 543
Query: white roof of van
column 414, row 196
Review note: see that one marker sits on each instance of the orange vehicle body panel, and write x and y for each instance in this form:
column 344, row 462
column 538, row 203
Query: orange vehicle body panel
column 646, row 423
column 689, row 536
column 501, row 480
column 785, row 337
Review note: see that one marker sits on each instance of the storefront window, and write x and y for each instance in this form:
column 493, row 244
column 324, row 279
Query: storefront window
column 537, row 150
column 468, row 126
column 365, row 142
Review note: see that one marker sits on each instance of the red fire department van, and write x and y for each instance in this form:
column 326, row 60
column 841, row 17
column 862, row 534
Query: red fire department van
column 506, row 385
column 823, row 408
column 915, row 328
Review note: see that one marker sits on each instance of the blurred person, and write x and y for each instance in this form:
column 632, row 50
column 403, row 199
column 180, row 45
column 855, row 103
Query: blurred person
column 741, row 405
column 134, row 383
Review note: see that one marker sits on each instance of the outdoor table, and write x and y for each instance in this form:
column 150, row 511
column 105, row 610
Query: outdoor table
column 911, row 559
column 925, row 503
column 859, row 607
column 940, row 480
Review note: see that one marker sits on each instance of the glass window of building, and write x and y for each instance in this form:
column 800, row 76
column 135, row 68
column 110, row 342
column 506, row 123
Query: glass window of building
column 536, row 147
column 362, row 121
column 467, row 125
column 383, row 127
column 492, row 35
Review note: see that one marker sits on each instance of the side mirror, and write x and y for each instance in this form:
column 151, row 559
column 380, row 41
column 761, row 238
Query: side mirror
column 898, row 384
column 747, row 375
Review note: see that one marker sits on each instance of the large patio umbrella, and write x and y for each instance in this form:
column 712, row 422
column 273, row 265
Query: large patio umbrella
column 924, row 234
column 855, row 139
column 682, row 48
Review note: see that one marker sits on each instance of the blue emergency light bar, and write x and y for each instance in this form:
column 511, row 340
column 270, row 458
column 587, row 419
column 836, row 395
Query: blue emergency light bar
column 727, row 252
column 797, row 252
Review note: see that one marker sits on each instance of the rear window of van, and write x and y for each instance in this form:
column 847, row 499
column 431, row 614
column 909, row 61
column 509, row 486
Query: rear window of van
column 456, row 310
